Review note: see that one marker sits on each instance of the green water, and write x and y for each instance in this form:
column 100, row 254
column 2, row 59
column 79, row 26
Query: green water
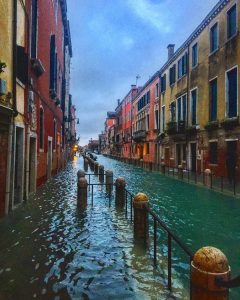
column 200, row 217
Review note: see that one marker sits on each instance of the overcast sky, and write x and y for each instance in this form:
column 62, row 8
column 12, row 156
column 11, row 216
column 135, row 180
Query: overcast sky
column 113, row 41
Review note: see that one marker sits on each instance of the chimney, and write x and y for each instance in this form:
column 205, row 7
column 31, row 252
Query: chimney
column 118, row 101
column 133, row 86
column 170, row 50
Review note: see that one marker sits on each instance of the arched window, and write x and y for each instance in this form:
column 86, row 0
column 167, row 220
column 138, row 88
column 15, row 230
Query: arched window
column 41, row 129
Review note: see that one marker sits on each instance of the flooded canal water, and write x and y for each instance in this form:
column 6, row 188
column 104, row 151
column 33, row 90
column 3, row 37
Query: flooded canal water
column 50, row 250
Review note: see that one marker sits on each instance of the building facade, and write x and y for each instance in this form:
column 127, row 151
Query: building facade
column 35, row 55
column 192, row 118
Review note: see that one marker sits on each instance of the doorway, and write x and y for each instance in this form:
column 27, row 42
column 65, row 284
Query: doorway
column 49, row 159
column 19, row 166
column 193, row 157
column 231, row 160
column 32, row 165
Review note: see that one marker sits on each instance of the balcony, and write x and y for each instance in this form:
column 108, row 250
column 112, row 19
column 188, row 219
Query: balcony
column 139, row 135
column 37, row 67
column 230, row 123
column 176, row 127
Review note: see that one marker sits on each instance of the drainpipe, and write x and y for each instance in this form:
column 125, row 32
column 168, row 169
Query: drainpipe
column 188, row 105
column 14, row 57
column 9, row 156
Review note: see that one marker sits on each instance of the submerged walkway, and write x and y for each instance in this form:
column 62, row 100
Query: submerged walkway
column 50, row 250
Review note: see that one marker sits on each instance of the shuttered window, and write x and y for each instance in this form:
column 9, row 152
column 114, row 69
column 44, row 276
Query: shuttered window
column 232, row 93
column 194, row 55
column 194, row 107
column 232, row 21
column 34, row 29
column 213, row 100
column 172, row 75
column 214, row 38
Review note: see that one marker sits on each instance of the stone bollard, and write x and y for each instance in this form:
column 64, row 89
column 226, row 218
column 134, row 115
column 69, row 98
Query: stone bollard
column 180, row 172
column 96, row 166
column 82, row 192
column 101, row 173
column 120, row 192
column 80, row 174
column 109, row 181
column 163, row 168
column 207, row 177
column 209, row 264
column 140, row 203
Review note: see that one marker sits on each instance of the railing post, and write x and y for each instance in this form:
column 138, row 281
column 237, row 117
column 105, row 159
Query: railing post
column 120, row 192
column 180, row 172
column 208, row 265
column 82, row 192
column 163, row 168
column 85, row 165
column 101, row 173
column 109, row 181
column 140, row 204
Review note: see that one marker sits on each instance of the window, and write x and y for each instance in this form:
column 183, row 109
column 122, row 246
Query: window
column 53, row 64
column 213, row 153
column 182, row 108
column 156, row 119
column 232, row 94
column 157, row 90
column 147, row 148
column 34, row 29
column 194, row 107
column 213, row 100
column 182, row 66
column 172, row 75
column 214, row 38
column 148, row 97
column 41, row 129
column 232, row 22
column 163, row 83
column 163, row 118
column 195, row 55
column 173, row 111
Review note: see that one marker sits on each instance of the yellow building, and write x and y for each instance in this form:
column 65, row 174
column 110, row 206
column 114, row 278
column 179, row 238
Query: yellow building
column 199, row 96
column 13, row 79
column 6, row 104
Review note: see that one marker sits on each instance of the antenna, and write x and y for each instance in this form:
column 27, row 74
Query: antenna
column 137, row 77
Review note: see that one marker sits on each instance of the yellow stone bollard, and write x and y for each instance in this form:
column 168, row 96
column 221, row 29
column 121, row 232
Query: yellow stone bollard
column 82, row 192
column 207, row 177
column 120, row 192
column 208, row 265
column 140, row 205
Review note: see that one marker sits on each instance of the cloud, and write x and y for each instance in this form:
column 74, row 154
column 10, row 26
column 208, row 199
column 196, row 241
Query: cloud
column 152, row 13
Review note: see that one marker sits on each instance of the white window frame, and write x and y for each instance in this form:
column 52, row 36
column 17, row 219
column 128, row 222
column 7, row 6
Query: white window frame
column 227, row 38
column 212, row 52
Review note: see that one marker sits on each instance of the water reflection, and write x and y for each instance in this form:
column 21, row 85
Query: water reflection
column 51, row 250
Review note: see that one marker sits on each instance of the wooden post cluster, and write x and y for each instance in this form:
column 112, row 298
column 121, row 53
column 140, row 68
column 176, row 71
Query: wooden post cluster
column 208, row 265
column 120, row 192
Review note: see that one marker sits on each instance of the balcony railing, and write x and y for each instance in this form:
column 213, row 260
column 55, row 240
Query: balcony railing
column 139, row 135
column 176, row 127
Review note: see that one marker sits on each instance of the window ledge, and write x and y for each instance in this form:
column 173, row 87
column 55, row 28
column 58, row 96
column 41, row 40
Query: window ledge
column 195, row 67
column 231, row 38
column 213, row 52
column 213, row 165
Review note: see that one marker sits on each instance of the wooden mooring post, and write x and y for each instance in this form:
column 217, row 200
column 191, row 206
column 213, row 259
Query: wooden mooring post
column 141, row 224
column 120, row 196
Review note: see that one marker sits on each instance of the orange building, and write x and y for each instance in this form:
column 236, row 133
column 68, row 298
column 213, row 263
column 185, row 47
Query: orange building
column 145, row 122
